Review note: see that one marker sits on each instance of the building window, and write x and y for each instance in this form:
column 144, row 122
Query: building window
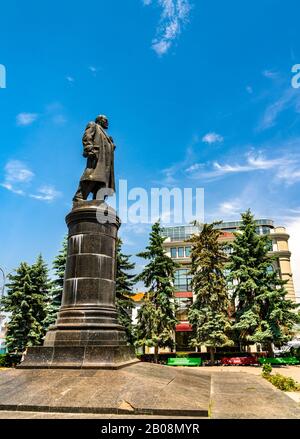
column 183, row 305
column 180, row 252
column 182, row 340
column 182, row 280
column 173, row 252
column 187, row 252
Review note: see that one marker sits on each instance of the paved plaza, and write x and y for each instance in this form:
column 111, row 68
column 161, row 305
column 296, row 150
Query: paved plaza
column 144, row 391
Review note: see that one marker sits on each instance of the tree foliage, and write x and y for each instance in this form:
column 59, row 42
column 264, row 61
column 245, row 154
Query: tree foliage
column 209, row 314
column 263, row 313
column 56, row 290
column 124, row 293
column 156, row 317
column 26, row 305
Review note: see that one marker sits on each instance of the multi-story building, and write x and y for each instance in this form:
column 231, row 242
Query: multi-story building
column 2, row 334
column 178, row 248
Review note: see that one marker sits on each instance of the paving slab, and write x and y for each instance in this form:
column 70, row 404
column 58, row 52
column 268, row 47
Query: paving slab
column 143, row 390
column 240, row 395
column 140, row 389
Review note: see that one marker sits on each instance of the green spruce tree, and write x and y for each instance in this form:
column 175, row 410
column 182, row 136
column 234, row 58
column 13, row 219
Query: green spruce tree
column 263, row 314
column 25, row 309
column 209, row 314
column 124, row 284
column 39, row 301
column 156, row 317
column 56, row 290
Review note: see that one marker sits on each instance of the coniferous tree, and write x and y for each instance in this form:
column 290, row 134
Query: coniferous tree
column 263, row 314
column 156, row 317
column 56, row 290
column 41, row 288
column 24, row 305
column 124, row 284
column 209, row 314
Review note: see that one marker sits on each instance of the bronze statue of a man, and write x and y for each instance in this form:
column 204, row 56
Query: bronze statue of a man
column 98, row 148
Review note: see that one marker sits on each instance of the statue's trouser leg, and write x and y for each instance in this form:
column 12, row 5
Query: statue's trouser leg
column 83, row 191
column 96, row 194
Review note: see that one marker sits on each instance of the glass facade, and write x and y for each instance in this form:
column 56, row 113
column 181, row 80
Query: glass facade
column 187, row 252
column 180, row 252
column 179, row 233
column 182, row 307
column 182, row 280
column 182, row 340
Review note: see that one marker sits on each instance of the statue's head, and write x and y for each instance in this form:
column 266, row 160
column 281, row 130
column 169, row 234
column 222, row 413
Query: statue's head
column 102, row 120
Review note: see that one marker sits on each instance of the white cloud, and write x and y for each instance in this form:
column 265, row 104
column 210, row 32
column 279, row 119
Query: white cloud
column 17, row 174
column 174, row 15
column 46, row 193
column 249, row 89
column 270, row 74
column 290, row 98
column 230, row 208
column 212, row 138
column 10, row 188
column 70, row 79
column 18, row 177
column 24, row 119
column 286, row 169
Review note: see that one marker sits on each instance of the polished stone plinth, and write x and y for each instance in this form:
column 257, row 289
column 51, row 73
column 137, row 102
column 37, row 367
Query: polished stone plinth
column 138, row 389
column 87, row 333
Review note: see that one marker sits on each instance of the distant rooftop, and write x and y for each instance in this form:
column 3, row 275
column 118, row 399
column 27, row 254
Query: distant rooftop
column 180, row 233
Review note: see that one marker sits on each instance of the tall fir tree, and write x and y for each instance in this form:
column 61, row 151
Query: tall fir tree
column 25, row 305
column 124, row 293
column 209, row 314
column 39, row 300
column 263, row 313
column 56, row 290
column 156, row 317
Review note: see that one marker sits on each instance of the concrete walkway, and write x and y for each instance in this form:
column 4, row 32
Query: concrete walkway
column 226, row 393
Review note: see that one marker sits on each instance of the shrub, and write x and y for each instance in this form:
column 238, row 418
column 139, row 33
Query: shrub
column 266, row 370
column 182, row 354
column 10, row 360
column 286, row 384
column 2, row 360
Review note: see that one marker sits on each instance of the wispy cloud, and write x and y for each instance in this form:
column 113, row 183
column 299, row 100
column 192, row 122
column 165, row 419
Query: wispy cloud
column 94, row 70
column 249, row 89
column 24, row 119
column 174, row 15
column 270, row 74
column 46, row 193
column 285, row 168
column 16, row 174
column 70, row 79
column 18, row 177
column 232, row 208
column 211, row 138
column 289, row 99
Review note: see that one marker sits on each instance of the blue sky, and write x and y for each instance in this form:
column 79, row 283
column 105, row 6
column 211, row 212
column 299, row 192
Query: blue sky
column 198, row 94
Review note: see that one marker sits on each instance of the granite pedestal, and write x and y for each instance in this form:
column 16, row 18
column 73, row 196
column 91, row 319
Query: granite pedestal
column 87, row 333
